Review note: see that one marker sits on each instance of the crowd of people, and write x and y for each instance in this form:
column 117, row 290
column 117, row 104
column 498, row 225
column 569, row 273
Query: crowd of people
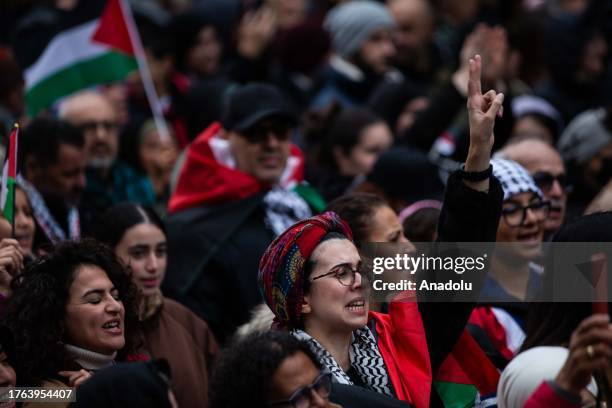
column 221, row 263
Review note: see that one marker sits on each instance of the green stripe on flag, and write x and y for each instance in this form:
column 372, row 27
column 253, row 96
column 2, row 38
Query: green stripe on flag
column 9, row 208
column 456, row 395
column 108, row 67
column 311, row 196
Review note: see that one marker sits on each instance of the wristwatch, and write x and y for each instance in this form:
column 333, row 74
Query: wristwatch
column 475, row 175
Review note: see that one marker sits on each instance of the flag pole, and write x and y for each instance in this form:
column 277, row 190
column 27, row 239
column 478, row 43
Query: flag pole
column 145, row 73
column 13, row 151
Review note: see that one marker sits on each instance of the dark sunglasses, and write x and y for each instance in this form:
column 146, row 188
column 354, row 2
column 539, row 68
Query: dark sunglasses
column 90, row 126
column 302, row 397
column 545, row 180
column 259, row 132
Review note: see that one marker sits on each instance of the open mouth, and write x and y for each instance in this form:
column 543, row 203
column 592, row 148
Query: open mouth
column 356, row 305
column 531, row 237
column 113, row 326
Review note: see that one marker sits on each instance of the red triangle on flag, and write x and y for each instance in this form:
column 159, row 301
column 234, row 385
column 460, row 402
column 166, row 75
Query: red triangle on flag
column 113, row 29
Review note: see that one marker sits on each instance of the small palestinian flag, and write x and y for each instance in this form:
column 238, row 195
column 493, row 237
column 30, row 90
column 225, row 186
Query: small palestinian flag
column 9, row 176
column 74, row 50
column 467, row 378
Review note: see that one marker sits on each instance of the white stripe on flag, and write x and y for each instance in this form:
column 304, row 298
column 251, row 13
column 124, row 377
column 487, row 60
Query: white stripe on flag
column 514, row 333
column 65, row 49
column 4, row 192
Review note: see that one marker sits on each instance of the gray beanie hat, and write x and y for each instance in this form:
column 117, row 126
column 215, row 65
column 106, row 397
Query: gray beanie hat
column 584, row 136
column 514, row 178
column 351, row 24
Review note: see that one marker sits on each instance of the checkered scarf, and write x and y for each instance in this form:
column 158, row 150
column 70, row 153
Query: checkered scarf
column 45, row 220
column 365, row 359
column 514, row 178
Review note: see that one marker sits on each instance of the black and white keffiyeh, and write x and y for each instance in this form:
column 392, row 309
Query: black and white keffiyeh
column 514, row 178
column 45, row 220
column 365, row 359
column 284, row 208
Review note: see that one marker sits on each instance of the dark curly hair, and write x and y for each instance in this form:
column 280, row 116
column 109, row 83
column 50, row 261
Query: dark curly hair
column 245, row 370
column 36, row 311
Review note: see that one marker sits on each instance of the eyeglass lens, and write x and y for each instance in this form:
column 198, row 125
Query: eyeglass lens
column 516, row 216
column 321, row 385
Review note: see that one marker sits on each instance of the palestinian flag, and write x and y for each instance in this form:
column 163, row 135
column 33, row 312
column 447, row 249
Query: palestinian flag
column 65, row 52
column 467, row 378
column 9, row 175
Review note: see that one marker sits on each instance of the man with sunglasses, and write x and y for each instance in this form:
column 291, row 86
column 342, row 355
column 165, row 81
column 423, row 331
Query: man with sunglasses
column 546, row 167
column 240, row 185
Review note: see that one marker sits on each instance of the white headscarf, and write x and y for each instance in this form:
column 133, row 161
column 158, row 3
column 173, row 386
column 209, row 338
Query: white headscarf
column 527, row 371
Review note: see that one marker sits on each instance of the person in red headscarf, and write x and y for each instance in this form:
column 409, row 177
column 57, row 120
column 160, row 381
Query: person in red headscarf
column 313, row 280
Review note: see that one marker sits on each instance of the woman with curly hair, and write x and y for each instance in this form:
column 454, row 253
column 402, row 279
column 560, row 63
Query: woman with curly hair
column 270, row 369
column 72, row 312
column 171, row 331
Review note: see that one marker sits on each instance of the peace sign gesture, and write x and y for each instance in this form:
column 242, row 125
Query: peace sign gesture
column 482, row 111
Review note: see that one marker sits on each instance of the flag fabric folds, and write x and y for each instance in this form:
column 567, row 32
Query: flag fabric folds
column 87, row 46
column 9, row 176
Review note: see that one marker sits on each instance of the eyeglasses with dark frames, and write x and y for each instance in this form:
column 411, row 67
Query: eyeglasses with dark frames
column 346, row 274
column 516, row 214
column 302, row 397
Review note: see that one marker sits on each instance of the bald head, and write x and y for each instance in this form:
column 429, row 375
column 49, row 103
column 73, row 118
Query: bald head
column 544, row 163
column 415, row 23
column 83, row 104
column 420, row 7
column 533, row 154
column 94, row 114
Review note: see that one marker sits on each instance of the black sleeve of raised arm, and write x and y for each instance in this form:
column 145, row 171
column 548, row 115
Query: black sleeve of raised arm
column 467, row 216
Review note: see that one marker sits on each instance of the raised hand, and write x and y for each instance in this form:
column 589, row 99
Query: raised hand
column 589, row 350
column 482, row 111
column 495, row 53
column 256, row 31
column 11, row 263
column 473, row 44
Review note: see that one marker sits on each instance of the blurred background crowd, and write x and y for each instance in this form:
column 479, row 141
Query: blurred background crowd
column 267, row 112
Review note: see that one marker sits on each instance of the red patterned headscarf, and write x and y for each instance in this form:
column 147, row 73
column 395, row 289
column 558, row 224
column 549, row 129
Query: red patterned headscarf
column 281, row 269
